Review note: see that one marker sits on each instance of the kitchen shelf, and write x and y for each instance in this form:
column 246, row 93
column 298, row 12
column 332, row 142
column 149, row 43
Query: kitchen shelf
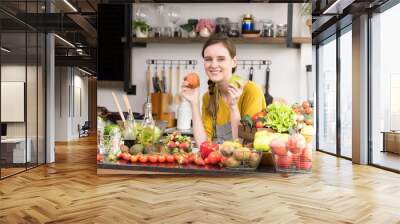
column 237, row 40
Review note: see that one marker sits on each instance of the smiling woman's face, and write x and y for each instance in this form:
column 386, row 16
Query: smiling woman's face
column 218, row 63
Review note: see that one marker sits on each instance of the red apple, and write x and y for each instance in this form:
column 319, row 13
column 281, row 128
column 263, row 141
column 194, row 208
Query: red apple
column 292, row 142
column 284, row 161
column 303, row 163
column 278, row 146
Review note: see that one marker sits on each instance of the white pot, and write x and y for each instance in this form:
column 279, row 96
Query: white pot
column 204, row 32
column 141, row 34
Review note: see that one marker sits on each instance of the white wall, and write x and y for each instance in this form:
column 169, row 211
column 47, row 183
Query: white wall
column 288, row 72
column 67, row 115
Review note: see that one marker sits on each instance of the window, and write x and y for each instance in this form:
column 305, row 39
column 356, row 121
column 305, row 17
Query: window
column 327, row 97
column 385, row 89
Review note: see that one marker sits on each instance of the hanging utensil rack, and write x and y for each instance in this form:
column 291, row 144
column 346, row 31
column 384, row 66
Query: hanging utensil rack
column 254, row 63
column 168, row 62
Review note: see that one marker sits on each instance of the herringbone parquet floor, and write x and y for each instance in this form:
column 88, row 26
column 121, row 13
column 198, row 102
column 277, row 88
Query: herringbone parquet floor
column 69, row 191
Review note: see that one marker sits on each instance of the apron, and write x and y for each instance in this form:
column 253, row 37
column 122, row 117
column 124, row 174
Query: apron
column 221, row 132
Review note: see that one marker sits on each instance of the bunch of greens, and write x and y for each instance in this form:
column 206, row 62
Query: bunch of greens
column 109, row 128
column 142, row 25
column 280, row 117
column 247, row 121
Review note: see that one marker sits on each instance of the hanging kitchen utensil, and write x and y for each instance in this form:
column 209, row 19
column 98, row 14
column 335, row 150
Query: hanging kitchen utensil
column 267, row 96
column 170, row 84
column 251, row 73
column 178, row 85
column 164, row 80
column 148, row 80
column 156, row 81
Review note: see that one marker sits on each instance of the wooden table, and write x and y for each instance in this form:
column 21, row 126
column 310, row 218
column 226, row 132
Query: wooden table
column 391, row 141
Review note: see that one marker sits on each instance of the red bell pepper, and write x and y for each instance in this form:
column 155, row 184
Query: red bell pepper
column 206, row 148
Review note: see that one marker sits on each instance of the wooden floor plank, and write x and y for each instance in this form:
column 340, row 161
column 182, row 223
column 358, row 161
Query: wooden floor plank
column 70, row 191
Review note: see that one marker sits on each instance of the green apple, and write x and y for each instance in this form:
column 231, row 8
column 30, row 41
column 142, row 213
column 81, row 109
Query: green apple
column 234, row 81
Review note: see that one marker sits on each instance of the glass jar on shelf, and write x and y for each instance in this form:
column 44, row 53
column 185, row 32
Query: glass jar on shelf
column 268, row 29
column 222, row 25
column 281, row 30
column 234, row 30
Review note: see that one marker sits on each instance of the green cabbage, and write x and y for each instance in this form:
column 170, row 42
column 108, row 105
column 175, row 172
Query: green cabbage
column 280, row 117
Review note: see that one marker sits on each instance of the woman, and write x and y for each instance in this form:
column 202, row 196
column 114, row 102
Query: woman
column 223, row 104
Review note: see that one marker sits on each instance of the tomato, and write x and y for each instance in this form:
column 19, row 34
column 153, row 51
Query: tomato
column 126, row 156
column 100, row 157
column 206, row 161
column 153, row 158
column 143, row 159
column 170, row 158
column 134, row 158
column 184, row 145
column 308, row 110
column 259, row 124
column 161, row 158
column 199, row 161
column 190, row 157
column 306, row 104
column 119, row 155
column 171, row 144
column 214, row 157
column 308, row 122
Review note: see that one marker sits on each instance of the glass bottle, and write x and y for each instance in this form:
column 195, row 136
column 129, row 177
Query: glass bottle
column 184, row 115
column 130, row 131
column 100, row 136
column 115, row 141
column 147, row 136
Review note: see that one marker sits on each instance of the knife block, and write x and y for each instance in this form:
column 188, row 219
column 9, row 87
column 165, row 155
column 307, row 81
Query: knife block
column 160, row 102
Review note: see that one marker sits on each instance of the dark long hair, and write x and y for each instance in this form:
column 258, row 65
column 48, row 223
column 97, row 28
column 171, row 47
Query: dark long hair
column 212, row 90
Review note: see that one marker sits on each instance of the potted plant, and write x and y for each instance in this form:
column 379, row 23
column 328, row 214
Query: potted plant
column 306, row 11
column 141, row 28
column 205, row 27
column 190, row 27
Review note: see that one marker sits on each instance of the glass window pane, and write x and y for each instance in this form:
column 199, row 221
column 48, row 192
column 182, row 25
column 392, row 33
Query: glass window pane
column 327, row 97
column 13, row 87
column 385, row 84
column 346, row 94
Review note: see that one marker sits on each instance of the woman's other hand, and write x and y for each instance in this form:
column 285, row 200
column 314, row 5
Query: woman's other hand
column 189, row 94
column 234, row 93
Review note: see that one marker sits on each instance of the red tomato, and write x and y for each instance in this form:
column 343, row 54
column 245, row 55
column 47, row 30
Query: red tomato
column 308, row 122
column 184, row 145
column 214, row 157
column 306, row 104
column 259, row 124
column 170, row 158
column 119, row 155
column 308, row 110
column 143, row 159
column 100, row 157
column 161, row 158
column 206, row 161
column 171, row 144
column 126, row 156
column 199, row 161
column 134, row 158
column 153, row 158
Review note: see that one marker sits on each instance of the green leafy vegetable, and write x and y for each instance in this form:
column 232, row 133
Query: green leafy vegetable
column 280, row 117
